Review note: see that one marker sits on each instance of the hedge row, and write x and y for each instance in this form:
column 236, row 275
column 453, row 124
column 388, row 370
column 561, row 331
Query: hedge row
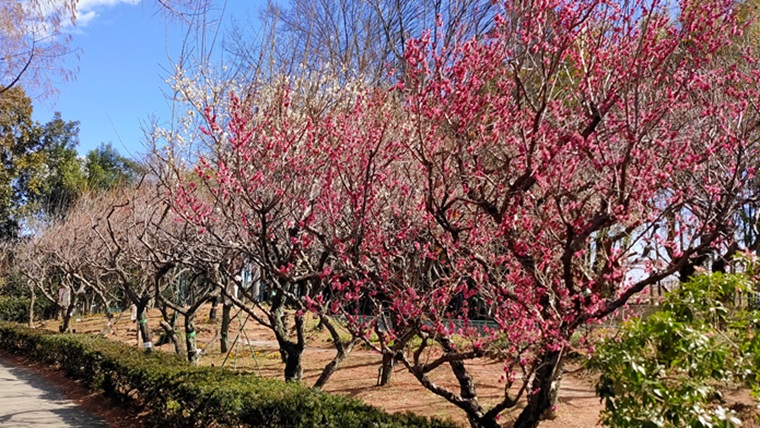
column 176, row 394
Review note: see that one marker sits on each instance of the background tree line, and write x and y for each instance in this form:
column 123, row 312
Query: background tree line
column 42, row 173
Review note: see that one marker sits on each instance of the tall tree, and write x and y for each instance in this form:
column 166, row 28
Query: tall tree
column 106, row 169
column 41, row 173
column 19, row 153
column 61, row 179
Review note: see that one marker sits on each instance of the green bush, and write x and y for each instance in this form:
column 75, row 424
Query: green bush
column 667, row 370
column 176, row 394
column 16, row 309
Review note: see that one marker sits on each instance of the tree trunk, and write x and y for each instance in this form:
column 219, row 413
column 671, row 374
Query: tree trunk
column 330, row 368
column 541, row 400
column 482, row 422
column 32, row 298
column 171, row 335
column 551, row 412
column 466, row 400
column 68, row 311
column 386, row 369
column 142, row 327
column 65, row 323
column 193, row 354
column 468, row 391
column 342, row 350
column 90, row 302
column 224, row 336
column 321, row 324
column 690, row 267
column 292, row 353
column 214, row 305
column 467, row 388
column 390, row 357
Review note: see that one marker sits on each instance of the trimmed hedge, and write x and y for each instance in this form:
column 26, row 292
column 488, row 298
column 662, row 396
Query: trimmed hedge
column 178, row 395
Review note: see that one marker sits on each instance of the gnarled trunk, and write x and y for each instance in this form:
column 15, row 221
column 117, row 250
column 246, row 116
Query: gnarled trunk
column 546, row 388
column 342, row 351
column 292, row 354
column 291, row 351
column 65, row 320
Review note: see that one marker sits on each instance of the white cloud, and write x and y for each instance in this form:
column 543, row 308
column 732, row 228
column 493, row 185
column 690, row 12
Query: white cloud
column 87, row 9
column 83, row 19
column 87, row 5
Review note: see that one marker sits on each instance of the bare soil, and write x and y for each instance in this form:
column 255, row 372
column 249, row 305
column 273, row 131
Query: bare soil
column 256, row 351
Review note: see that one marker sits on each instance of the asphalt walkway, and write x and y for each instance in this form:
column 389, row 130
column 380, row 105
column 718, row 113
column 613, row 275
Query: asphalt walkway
column 28, row 400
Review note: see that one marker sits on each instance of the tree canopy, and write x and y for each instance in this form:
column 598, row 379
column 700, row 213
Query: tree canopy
column 106, row 169
column 42, row 173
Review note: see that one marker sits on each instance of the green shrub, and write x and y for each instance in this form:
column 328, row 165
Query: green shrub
column 667, row 370
column 16, row 309
column 177, row 394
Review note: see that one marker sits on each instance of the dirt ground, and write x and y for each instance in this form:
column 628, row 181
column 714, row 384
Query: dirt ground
column 256, row 351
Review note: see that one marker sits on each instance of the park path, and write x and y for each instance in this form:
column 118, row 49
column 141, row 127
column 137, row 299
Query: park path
column 28, row 400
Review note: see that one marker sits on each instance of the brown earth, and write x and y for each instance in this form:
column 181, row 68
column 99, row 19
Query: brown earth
column 256, row 351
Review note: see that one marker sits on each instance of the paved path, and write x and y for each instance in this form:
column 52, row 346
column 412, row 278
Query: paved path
column 28, row 400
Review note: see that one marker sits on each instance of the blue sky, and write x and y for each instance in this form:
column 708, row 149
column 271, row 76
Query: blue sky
column 123, row 49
